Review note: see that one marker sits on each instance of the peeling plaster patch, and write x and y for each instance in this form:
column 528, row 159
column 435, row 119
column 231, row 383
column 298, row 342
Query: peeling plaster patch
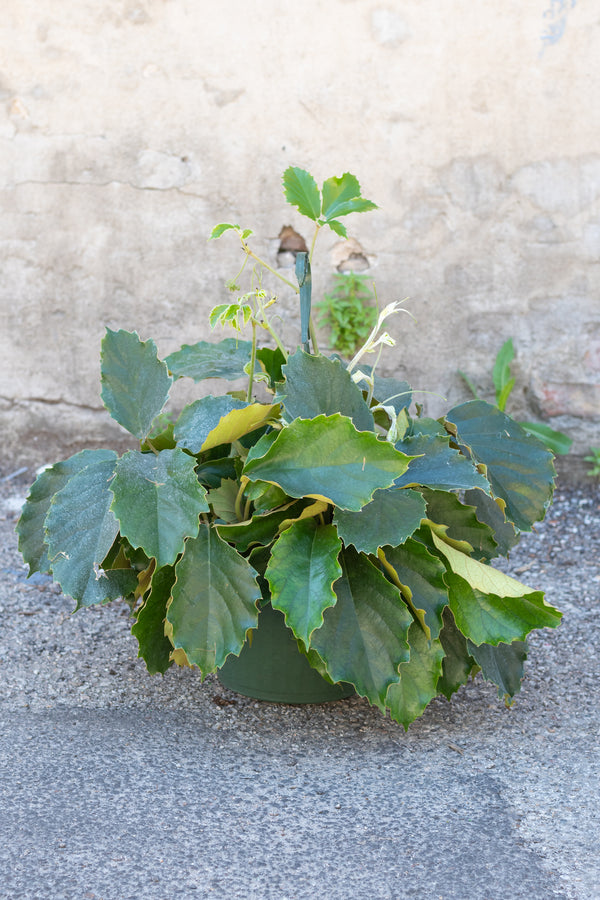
column 349, row 256
column 565, row 186
column 567, row 399
column 388, row 28
column 224, row 97
column 163, row 170
column 477, row 184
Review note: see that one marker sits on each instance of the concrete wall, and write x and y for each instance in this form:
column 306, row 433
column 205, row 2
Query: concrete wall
column 128, row 128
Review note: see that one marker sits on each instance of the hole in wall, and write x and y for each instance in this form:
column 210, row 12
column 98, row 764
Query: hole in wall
column 350, row 256
column 290, row 243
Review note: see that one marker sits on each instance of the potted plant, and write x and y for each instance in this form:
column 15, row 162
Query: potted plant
column 357, row 533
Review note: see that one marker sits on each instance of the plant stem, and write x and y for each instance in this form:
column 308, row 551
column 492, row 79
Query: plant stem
column 252, row 362
column 314, row 241
column 269, row 268
column 238, row 502
column 151, row 445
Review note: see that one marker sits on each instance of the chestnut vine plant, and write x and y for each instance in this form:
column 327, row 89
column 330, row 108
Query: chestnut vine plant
column 370, row 527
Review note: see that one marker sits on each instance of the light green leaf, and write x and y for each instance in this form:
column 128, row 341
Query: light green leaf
column 438, row 465
column 222, row 500
column 225, row 359
column 30, row 527
column 158, row 500
column 501, row 373
column 422, row 575
column 317, row 385
column 341, row 196
column 301, row 572
column 218, row 230
column 149, row 629
column 389, row 519
column 327, row 458
column 213, row 601
column 265, row 496
column 363, row 638
column 518, row 467
column 486, row 618
column 80, row 530
column 301, row 191
column 407, row 699
column 212, row 421
column 555, row 441
column 503, row 665
column 135, row 382
column 337, row 228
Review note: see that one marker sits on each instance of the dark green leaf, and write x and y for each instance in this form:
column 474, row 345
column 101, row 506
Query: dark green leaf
column 81, row 529
column 317, row 385
column 486, row 618
column 301, row 573
column 225, row 359
column 154, row 647
column 271, row 360
column 327, row 458
column 213, row 601
column 158, row 501
column 458, row 664
column 363, row 638
column 438, row 465
column 407, row 699
column 423, row 576
column 519, row 467
column 135, row 382
column 301, row 191
column 491, row 512
column 261, row 529
column 462, row 522
column 30, row 527
column 503, row 665
column 389, row 519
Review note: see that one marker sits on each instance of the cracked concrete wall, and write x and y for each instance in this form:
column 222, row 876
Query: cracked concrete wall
column 128, row 128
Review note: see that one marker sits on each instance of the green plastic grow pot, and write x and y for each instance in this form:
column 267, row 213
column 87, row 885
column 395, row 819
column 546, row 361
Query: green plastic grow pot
column 272, row 668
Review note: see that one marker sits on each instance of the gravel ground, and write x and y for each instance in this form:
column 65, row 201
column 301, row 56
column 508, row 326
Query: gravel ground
column 116, row 784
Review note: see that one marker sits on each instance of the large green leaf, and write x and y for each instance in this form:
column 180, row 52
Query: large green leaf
column 81, row 529
column 317, row 385
column 503, row 665
column 30, row 527
column 519, row 468
column 363, row 638
column 212, row 421
column 341, row 196
column 487, row 618
column 422, row 578
column 389, row 519
column 491, row 512
column 407, row 699
column 158, row 500
column 327, row 458
column 301, row 191
column 135, row 382
column 154, row 647
column 458, row 664
column 463, row 524
column 438, row 465
column 301, row 573
column 225, row 359
column 555, row 441
column 261, row 528
column 213, row 601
